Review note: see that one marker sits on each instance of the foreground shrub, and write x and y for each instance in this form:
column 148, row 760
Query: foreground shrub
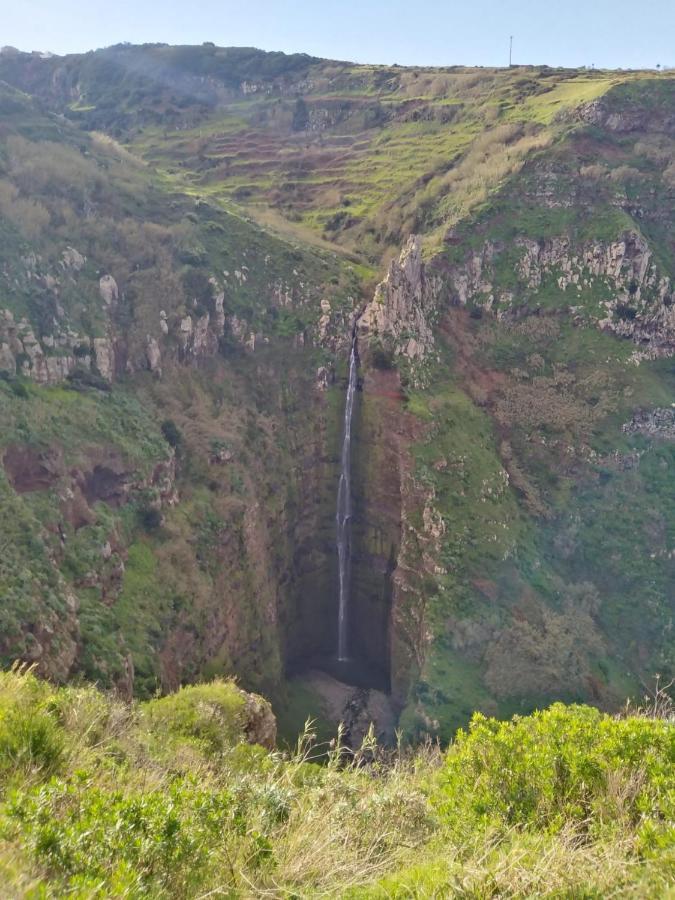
column 165, row 799
column 30, row 740
column 560, row 767
column 210, row 714
column 85, row 837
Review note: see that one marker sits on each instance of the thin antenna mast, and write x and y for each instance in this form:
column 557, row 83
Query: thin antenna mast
column 510, row 50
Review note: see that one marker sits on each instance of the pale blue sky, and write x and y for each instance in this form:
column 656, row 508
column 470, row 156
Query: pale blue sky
column 611, row 33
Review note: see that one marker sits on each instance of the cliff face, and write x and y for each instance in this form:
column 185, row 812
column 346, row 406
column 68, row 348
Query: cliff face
column 616, row 285
column 168, row 442
column 41, row 340
column 400, row 315
column 395, row 334
column 543, row 332
column 230, row 503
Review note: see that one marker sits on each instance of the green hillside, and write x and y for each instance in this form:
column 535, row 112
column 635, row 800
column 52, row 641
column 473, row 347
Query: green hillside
column 189, row 237
column 136, row 487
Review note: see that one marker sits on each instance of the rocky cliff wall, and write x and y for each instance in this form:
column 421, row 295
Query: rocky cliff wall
column 399, row 320
column 616, row 285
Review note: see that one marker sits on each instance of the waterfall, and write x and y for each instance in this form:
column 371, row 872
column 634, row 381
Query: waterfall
column 343, row 514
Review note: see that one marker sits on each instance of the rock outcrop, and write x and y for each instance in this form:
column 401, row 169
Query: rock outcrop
column 104, row 355
column 630, row 116
column 47, row 361
column 40, row 341
column 108, row 290
column 153, row 355
column 356, row 709
column 658, row 423
column 628, row 293
column 401, row 314
column 260, row 724
column 72, row 259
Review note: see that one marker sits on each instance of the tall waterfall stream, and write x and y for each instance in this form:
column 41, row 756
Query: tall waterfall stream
column 343, row 514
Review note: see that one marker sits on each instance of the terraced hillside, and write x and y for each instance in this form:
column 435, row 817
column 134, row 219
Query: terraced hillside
column 514, row 529
column 358, row 155
column 365, row 156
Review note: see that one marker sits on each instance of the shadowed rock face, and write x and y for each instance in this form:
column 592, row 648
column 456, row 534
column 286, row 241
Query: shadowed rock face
column 30, row 469
column 386, row 571
column 379, row 462
column 107, row 484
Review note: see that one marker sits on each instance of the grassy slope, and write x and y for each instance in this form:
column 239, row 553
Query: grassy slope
column 163, row 799
column 379, row 150
column 354, row 155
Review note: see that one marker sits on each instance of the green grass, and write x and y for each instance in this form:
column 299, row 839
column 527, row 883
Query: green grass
column 545, row 107
column 459, row 458
column 166, row 799
column 369, row 175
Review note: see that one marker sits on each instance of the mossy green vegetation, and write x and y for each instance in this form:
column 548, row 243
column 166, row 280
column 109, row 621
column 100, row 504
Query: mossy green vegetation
column 541, row 501
column 567, row 567
column 166, row 799
column 49, row 433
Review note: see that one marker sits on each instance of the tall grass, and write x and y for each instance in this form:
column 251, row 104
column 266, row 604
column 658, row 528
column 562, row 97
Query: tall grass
column 105, row 799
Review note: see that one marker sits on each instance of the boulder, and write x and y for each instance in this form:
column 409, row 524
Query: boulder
column 108, row 290
column 153, row 355
column 260, row 724
column 104, row 354
column 72, row 259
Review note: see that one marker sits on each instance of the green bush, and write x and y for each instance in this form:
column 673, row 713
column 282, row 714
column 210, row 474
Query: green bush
column 150, row 517
column 560, row 766
column 30, row 739
column 172, row 433
column 148, row 844
column 100, row 798
column 19, row 388
column 210, row 714
column 81, row 379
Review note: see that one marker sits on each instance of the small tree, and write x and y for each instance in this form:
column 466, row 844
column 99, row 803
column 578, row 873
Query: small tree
column 171, row 433
column 300, row 115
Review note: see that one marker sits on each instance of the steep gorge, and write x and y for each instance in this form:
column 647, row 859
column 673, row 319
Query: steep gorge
column 175, row 380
